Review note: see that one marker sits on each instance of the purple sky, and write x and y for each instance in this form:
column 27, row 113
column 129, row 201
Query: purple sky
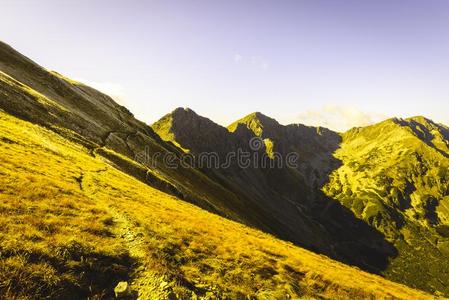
column 334, row 63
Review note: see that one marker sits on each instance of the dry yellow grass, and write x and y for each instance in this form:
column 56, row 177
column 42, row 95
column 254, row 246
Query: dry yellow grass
column 72, row 226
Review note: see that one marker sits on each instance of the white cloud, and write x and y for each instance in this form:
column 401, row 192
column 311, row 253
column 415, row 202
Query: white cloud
column 238, row 57
column 256, row 61
column 339, row 118
column 114, row 90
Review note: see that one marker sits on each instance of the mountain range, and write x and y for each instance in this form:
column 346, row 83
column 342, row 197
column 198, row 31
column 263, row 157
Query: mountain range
column 374, row 198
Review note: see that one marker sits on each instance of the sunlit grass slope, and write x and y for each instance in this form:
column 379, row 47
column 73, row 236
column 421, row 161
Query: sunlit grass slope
column 72, row 226
column 395, row 176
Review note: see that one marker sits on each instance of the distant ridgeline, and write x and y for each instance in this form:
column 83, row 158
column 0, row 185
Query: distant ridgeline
column 375, row 197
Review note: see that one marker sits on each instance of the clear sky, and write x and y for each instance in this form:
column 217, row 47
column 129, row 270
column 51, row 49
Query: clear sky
column 334, row 63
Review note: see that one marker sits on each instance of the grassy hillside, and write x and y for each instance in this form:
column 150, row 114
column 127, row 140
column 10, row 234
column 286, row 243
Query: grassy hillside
column 89, row 117
column 395, row 176
column 71, row 226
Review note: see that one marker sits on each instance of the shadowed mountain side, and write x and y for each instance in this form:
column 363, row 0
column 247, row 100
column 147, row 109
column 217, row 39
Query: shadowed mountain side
column 73, row 226
column 93, row 119
column 289, row 198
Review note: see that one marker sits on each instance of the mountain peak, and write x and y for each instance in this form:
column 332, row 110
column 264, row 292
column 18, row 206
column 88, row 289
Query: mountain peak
column 180, row 114
column 260, row 116
column 164, row 126
column 257, row 123
column 183, row 111
column 422, row 121
column 177, row 126
column 419, row 119
column 257, row 114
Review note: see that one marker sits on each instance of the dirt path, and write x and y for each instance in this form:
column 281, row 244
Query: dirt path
column 144, row 281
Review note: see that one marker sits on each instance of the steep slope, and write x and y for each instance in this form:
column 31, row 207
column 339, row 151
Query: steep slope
column 199, row 135
column 289, row 199
column 395, row 176
column 73, row 226
column 314, row 146
column 93, row 119
column 392, row 176
column 374, row 197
